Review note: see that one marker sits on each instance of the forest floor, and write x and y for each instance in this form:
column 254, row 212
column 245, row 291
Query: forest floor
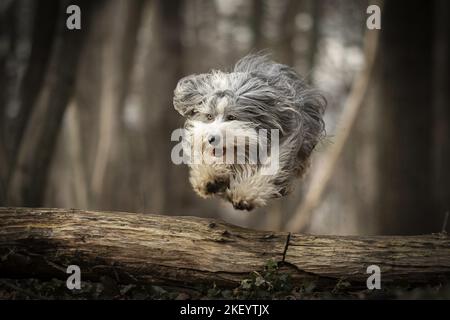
column 33, row 289
column 269, row 284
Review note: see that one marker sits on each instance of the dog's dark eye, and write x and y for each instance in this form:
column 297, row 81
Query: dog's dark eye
column 231, row 118
column 192, row 113
column 209, row 116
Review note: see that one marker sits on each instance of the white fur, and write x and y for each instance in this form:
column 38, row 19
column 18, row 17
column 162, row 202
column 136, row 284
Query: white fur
column 257, row 94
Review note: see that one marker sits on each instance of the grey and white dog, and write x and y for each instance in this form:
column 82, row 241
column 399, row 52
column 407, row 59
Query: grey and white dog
column 221, row 107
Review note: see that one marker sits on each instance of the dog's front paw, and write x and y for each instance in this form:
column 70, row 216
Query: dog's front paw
column 207, row 189
column 243, row 205
column 209, row 180
column 244, row 201
column 219, row 185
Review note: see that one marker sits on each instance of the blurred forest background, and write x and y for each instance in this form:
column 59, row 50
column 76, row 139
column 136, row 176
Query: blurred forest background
column 86, row 116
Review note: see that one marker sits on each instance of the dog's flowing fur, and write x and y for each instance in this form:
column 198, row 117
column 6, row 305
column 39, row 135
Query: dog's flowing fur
column 257, row 94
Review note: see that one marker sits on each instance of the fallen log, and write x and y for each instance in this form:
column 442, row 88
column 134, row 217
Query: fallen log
column 189, row 251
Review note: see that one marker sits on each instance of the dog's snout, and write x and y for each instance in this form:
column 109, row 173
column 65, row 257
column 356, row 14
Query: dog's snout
column 213, row 139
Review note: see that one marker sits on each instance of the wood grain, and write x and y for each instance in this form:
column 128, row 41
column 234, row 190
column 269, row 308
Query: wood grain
column 190, row 251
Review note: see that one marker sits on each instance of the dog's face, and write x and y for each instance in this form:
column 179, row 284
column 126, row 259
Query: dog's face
column 228, row 109
column 221, row 115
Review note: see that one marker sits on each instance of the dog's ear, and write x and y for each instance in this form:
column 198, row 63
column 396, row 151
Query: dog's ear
column 189, row 93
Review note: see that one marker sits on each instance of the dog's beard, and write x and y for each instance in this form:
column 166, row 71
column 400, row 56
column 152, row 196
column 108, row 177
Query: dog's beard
column 236, row 142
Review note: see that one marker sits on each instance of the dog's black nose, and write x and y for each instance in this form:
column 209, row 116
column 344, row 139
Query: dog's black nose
column 213, row 139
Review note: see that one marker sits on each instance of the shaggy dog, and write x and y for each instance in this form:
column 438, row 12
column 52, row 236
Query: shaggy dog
column 249, row 132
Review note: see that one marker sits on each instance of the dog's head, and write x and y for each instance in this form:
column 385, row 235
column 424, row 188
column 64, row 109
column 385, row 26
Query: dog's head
column 229, row 108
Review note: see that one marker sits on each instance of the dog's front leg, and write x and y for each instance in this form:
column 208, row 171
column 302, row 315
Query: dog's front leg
column 249, row 188
column 208, row 180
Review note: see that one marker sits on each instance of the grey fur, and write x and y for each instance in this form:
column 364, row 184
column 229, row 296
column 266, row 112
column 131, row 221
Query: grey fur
column 268, row 95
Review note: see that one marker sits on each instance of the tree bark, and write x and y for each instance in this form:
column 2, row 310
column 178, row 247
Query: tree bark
column 190, row 251
column 404, row 141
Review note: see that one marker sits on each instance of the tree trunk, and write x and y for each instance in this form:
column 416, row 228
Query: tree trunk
column 190, row 251
column 405, row 201
column 27, row 182
column 441, row 154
